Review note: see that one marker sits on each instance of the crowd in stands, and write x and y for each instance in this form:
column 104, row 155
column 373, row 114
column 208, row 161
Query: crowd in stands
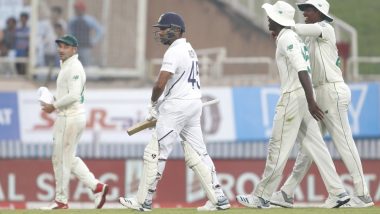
column 15, row 40
column 15, row 37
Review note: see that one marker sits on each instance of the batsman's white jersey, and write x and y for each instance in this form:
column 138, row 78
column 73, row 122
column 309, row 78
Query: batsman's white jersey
column 293, row 119
column 68, row 128
column 181, row 60
column 181, row 109
column 333, row 96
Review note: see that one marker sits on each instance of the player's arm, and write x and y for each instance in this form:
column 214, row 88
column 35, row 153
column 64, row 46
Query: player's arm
column 157, row 91
column 320, row 29
column 160, row 85
column 169, row 65
column 299, row 58
column 315, row 111
column 312, row 30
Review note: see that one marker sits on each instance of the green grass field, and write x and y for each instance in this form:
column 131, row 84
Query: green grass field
column 361, row 16
column 371, row 210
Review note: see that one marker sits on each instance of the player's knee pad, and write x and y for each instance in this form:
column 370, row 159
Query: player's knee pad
column 150, row 169
column 201, row 170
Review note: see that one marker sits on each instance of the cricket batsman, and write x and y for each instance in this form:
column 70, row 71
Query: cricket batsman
column 178, row 117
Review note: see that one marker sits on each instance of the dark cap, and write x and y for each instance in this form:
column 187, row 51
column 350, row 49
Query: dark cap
column 170, row 19
column 68, row 40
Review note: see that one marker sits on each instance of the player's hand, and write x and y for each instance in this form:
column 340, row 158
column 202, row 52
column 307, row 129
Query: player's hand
column 315, row 111
column 152, row 111
column 48, row 108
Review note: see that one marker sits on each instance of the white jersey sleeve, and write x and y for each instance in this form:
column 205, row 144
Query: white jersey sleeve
column 296, row 52
column 327, row 32
column 313, row 30
column 169, row 62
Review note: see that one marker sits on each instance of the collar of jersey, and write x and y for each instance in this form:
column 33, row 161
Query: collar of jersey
column 177, row 42
column 73, row 57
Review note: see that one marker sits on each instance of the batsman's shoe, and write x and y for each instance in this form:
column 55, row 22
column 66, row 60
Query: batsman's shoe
column 100, row 194
column 252, row 201
column 55, row 206
column 133, row 204
column 359, row 202
column 223, row 204
column 336, row 201
column 281, row 199
column 366, row 200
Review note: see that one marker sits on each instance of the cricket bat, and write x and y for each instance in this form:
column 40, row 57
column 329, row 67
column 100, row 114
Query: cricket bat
column 141, row 126
column 151, row 123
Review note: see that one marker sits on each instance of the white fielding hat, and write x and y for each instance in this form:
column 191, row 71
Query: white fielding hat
column 322, row 5
column 45, row 96
column 280, row 12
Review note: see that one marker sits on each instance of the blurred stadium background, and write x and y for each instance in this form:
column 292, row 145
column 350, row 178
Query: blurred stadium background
column 236, row 54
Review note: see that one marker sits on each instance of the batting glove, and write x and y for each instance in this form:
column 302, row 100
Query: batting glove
column 152, row 111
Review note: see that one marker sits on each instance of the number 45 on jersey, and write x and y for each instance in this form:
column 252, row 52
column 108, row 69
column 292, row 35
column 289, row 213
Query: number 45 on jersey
column 194, row 75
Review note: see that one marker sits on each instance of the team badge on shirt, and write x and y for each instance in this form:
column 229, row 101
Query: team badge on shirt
column 290, row 47
column 305, row 53
column 191, row 53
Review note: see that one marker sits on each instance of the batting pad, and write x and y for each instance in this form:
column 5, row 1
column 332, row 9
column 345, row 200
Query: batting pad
column 150, row 169
column 201, row 170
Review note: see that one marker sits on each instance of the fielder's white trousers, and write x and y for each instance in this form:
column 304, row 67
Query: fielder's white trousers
column 333, row 99
column 67, row 133
column 292, row 118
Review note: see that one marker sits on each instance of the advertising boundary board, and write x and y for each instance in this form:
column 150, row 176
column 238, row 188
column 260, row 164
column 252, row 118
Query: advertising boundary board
column 32, row 186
